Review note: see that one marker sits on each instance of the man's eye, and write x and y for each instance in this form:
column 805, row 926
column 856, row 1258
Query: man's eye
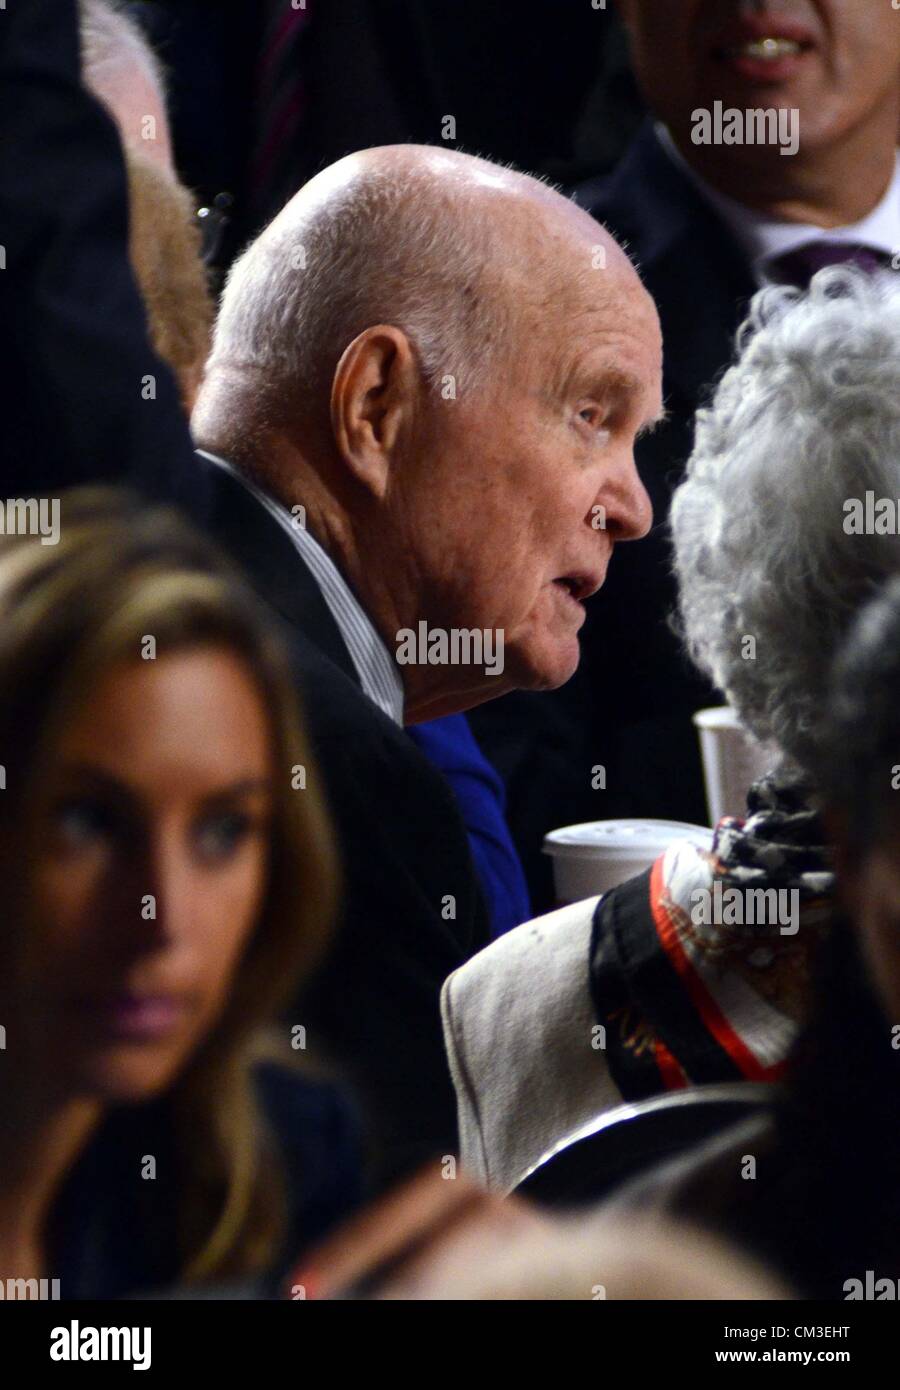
column 596, row 418
column 219, row 836
column 597, row 423
column 82, row 821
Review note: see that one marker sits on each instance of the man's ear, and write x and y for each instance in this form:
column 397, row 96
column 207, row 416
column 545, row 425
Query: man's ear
column 372, row 396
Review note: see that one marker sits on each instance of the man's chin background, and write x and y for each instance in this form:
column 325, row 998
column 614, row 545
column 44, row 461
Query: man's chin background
column 547, row 668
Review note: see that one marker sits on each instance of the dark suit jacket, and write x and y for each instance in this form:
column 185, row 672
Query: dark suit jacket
column 76, row 403
column 629, row 708
column 375, row 1006
column 114, row 1235
column 377, row 72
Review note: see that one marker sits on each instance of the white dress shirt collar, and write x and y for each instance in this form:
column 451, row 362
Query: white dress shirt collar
column 377, row 672
column 763, row 239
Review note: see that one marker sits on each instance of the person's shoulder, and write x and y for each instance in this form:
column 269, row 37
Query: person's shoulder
column 319, row 1137
column 264, row 553
column 607, row 193
column 550, row 946
column 305, row 1109
column 653, row 208
column 517, row 1030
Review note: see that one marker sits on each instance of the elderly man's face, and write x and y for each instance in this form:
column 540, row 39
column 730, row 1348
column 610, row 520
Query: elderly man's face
column 522, row 486
column 833, row 60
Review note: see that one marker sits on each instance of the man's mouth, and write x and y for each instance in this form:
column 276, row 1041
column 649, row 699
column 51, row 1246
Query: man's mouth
column 769, row 50
column 578, row 586
column 762, row 48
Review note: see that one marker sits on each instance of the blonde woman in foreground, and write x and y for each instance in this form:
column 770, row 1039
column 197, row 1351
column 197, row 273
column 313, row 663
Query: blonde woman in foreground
column 165, row 890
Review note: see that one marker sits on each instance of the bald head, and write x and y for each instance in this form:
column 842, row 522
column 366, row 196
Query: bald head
column 461, row 254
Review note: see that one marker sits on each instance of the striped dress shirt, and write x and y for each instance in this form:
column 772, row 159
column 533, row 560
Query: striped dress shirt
column 377, row 672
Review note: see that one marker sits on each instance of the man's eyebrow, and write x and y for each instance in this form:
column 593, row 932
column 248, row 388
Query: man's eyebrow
column 651, row 426
column 620, row 382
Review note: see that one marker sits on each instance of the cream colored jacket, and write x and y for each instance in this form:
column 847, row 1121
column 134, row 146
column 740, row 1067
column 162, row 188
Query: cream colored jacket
column 519, row 1033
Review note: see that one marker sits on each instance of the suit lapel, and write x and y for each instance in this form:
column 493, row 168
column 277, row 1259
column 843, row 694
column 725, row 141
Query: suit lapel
column 264, row 550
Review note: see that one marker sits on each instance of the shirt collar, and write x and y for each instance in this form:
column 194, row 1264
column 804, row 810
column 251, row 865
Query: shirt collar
column 763, row 239
column 378, row 674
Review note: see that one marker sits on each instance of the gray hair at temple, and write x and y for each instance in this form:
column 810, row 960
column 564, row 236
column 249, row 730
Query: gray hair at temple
column 799, row 430
column 364, row 243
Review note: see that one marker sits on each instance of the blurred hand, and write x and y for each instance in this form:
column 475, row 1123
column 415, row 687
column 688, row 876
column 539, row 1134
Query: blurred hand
column 398, row 1247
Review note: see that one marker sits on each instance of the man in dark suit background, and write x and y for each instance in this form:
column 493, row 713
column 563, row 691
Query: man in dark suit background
column 387, row 454
column 357, row 73
column 85, row 397
column 707, row 224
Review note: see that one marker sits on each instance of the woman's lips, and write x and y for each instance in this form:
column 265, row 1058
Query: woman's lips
column 135, row 1017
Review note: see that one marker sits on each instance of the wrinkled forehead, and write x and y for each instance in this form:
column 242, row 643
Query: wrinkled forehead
column 570, row 256
column 581, row 297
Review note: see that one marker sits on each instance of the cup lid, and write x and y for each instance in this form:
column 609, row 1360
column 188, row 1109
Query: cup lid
column 639, row 839
column 717, row 717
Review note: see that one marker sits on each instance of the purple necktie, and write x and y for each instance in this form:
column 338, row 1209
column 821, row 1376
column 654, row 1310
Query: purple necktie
column 280, row 107
column 798, row 267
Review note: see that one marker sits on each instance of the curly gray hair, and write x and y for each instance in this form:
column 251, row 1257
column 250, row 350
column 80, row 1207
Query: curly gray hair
column 807, row 419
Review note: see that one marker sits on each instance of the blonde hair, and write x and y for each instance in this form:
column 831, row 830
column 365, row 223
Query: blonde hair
column 68, row 613
column 164, row 247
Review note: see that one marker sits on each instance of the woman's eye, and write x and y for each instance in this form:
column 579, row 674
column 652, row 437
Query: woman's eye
column 218, row 836
column 82, row 821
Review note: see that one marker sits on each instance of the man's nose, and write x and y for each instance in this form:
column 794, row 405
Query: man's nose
column 629, row 511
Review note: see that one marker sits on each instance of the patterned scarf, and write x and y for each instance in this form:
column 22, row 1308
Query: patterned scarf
column 689, row 1000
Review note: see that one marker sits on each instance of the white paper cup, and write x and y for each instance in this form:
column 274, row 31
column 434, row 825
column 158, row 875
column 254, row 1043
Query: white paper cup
column 594, row 857
column 732, row 759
